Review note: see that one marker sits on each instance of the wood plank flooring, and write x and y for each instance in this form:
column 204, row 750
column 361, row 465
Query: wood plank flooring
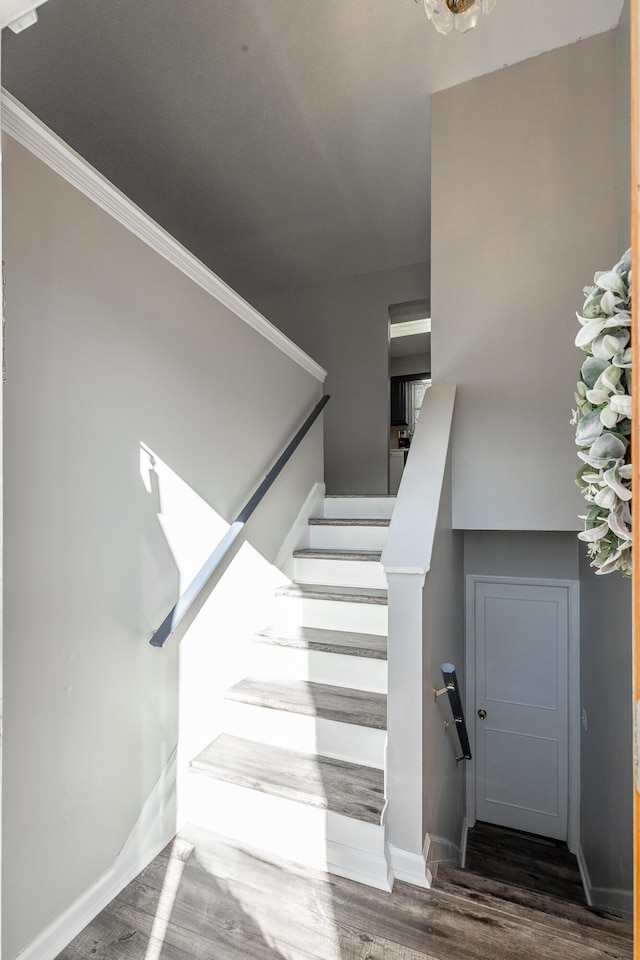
column 207, row 899
column 523, row 860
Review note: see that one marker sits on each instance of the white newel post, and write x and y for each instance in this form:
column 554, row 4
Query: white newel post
column 406, row 559
column 404, row 778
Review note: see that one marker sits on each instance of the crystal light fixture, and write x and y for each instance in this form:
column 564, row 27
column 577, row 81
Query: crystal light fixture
column 461, row 14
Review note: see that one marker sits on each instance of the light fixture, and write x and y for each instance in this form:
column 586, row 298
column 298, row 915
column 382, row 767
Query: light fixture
column 461, row 14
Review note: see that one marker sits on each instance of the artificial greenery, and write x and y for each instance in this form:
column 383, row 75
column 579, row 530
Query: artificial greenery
column 603, row 418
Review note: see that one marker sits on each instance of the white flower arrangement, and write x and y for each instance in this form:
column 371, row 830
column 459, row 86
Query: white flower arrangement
column 603, row 418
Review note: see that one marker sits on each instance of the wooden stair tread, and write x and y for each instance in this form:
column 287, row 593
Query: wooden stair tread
column 348, row 522
column 309, row 553
column 368, row 645
column 346, row 788
column 322, row 700
column 322, row 591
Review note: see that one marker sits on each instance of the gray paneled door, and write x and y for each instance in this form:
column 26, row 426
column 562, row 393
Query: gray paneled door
column 521, row 694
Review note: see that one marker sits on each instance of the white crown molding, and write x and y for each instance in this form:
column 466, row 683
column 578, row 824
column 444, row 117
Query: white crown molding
column 24, row 127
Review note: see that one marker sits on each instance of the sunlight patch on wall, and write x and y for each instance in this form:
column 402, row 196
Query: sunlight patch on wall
column 216, row 651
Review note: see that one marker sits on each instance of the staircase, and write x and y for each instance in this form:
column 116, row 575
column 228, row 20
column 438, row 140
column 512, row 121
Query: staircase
column 299, row 768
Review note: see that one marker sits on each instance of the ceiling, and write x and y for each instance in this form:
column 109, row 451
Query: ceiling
column 284, row 142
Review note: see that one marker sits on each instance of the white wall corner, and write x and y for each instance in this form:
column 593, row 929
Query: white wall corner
column 154, row 829
column 411, row 867
column 298, row 535
column 609, row 899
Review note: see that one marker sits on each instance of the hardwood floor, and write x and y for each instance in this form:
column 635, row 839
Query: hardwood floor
column 523, row 860
column 206, row 899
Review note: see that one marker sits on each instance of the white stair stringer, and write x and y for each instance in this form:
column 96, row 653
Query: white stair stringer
column 321, row 839
column 311, row 735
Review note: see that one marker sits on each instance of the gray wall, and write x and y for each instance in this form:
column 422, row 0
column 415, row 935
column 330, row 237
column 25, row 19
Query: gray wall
column 623, row 119
column 521, row 554
column 524, row 211
column 414, row 363
column 605, row 661
column 606, row 755
column 110, row 346
column 503, row 420
column 345, row 327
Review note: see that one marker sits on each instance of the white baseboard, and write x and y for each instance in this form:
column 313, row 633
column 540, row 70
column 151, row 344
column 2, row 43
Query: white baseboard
column 441, row 851
column 298, row 535
column 411, row 867
column 155, row 828
column 368, row 868
column 609, row 899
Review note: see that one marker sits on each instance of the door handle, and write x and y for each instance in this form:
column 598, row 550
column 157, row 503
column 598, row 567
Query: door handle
column 482, row 714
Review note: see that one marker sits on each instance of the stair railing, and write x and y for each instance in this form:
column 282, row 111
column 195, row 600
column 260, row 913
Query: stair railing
column 206, row 572
column 455, row 701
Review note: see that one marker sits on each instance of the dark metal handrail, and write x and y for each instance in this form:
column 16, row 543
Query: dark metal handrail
column 451, row 688
column 204, row 575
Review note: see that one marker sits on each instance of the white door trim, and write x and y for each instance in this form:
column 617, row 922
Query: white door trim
column 573, row 605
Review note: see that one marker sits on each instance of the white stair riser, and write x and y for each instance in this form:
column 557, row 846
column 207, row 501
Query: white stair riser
column 351, row 508
column 317, row 838
column 269, row 661
column 347, row 538
column 348, row 573
column 312, row 735
column 333, row 615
